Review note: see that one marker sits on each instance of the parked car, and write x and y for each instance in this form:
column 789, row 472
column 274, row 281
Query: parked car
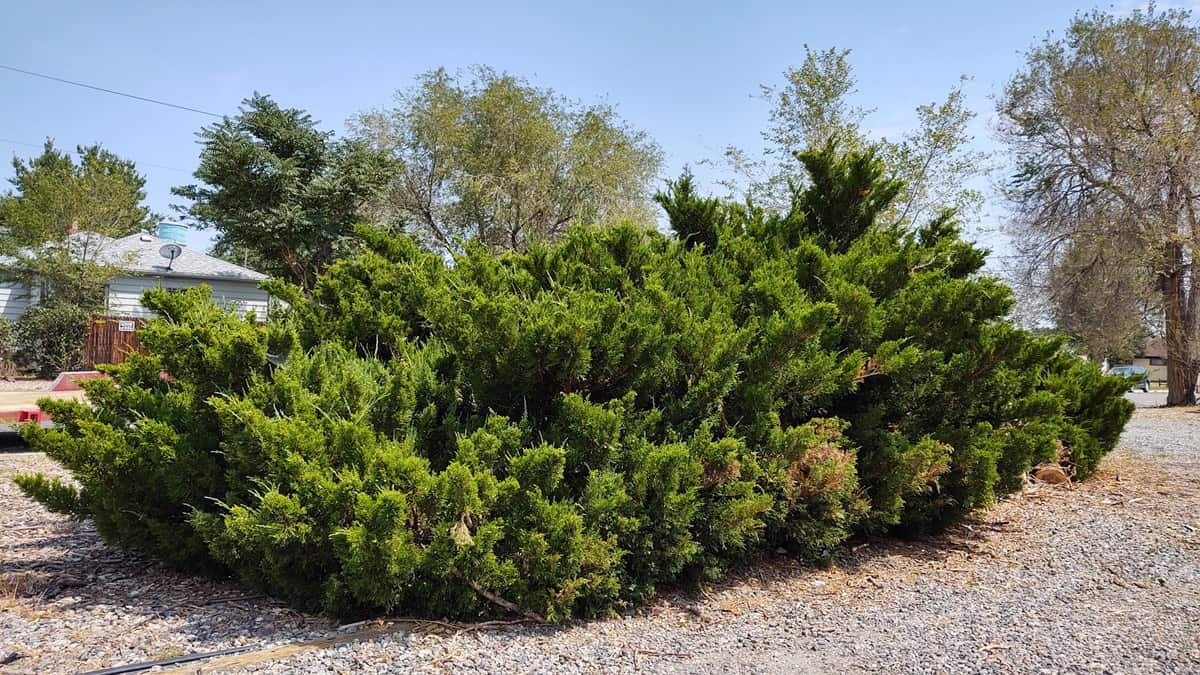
column 1133, row 371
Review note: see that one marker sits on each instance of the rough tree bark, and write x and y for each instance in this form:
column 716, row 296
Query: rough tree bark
column 1183, row 367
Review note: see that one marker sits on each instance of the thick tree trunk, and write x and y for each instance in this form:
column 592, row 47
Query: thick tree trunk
column 1183, row 366
column 1193, row 335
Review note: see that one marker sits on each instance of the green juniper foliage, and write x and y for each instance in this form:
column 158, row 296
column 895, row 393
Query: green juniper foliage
column 570, row 427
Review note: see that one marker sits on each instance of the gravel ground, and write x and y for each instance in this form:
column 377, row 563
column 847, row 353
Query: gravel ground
column 24, row 384
column 1098, row 577
column 69, row 603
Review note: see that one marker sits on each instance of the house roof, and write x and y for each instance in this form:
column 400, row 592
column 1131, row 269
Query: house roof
column 139, row 254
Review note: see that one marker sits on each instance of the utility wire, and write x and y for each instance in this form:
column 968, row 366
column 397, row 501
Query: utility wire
column 9, row 140
column 110, row 91
column 35, row 145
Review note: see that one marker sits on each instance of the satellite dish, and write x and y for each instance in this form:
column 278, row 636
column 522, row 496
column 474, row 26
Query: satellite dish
column 170, row 252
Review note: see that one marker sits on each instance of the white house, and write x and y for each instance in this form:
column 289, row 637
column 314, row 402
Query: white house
column 142, row 256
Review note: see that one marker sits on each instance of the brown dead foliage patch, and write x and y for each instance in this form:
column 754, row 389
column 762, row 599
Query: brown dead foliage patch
column 720, row 472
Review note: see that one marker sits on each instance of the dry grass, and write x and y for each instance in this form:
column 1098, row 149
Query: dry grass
column 1174, row 412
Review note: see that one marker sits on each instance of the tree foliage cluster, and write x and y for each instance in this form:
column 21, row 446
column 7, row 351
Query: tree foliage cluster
column 282, row 195
column 570, row 427
column 55, row 196
column 935, row 160
column 489, row 156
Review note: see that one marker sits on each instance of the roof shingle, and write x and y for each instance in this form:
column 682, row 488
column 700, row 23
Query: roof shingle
column 139, row 254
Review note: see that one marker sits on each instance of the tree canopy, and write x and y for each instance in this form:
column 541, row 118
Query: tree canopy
column 281, row 194
column 54, row 227
column 814, row 106
column 1103, row 124
column 55, row 195
column 488, row 155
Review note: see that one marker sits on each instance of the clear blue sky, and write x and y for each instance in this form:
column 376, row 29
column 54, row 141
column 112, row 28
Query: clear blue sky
column 684, row 72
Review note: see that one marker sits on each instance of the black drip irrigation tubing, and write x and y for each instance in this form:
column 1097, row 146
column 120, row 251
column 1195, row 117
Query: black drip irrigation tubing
column 147, row 665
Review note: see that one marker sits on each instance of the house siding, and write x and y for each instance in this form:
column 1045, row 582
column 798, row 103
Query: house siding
column 15, row 298
column 125, row 294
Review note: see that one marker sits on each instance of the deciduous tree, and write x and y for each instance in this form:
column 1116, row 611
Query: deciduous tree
column 492, row 157
column 814, row 106
column 1103, row 298
column 55, row 195
column 53, row 230
column 1104, row 128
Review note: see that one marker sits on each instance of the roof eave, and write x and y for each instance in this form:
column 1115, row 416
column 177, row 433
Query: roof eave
column 191, row 275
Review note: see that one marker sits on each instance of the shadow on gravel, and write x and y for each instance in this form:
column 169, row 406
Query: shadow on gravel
column 853, row 566
column 11, row 441
column 70, row 574
column 76, row 571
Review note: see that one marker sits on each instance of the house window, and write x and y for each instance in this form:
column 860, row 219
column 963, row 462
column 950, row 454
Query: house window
column 1157, row 361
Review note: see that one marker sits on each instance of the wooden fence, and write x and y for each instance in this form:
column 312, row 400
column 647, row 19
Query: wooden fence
column 110, row 339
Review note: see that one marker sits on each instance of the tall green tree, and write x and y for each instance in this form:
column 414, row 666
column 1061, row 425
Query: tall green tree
column 1103, row 124
column 56, row 222
column 54, row 194
column 814, row 106
column 281, row 194
column 54, row 227
column 489, row 156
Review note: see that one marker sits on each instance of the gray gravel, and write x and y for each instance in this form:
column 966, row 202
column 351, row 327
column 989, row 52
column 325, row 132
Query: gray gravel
column 69, row 603
column 25, row 384
column 1150, row 399
column 1098, row 577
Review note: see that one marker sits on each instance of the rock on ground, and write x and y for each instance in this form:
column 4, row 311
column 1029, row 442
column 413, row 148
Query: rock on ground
column 1102, row 576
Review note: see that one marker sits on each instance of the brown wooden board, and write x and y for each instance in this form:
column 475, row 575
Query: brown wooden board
column 110, row 339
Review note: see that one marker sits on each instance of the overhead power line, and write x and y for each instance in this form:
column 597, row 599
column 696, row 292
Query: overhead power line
column 109, row 91
column 9, row 141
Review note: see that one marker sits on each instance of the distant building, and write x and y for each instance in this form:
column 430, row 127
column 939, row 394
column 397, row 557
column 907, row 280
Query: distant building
column 142, row 258
column 1153, row 357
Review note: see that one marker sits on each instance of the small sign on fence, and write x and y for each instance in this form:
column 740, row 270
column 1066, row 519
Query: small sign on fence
column 126, row 326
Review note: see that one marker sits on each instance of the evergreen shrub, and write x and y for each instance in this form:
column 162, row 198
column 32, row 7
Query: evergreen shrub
column 569, row 428
column 50, row 338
